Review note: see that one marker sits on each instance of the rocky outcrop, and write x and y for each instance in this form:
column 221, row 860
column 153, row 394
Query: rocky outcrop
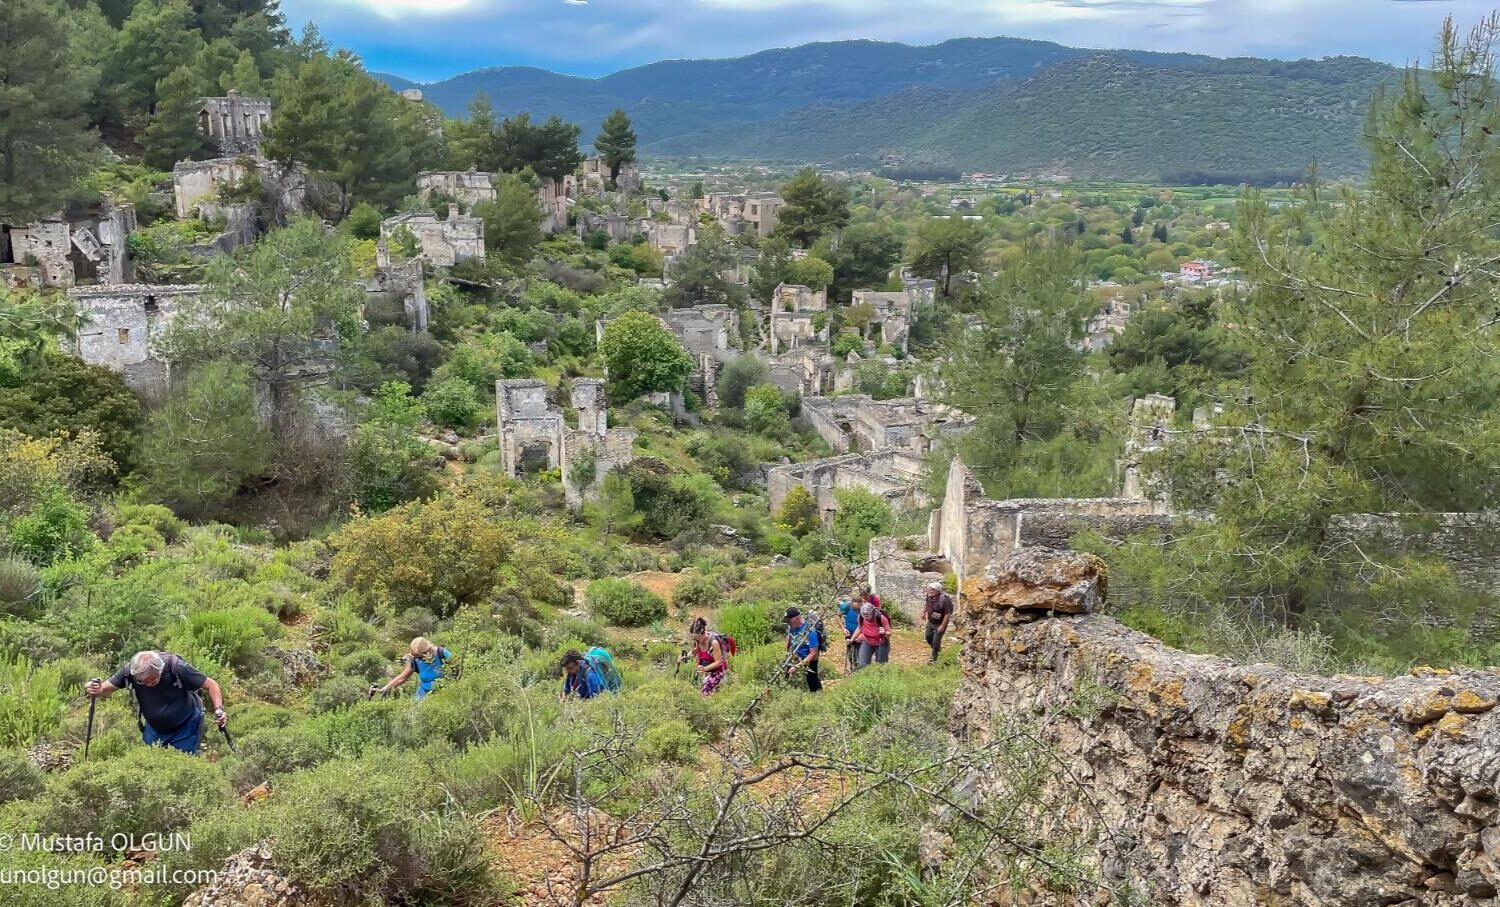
column 248, row 879
column 1224, row 784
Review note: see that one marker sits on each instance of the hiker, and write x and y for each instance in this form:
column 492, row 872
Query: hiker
column 803, row 646
column 581, row 676
column 873, row 635
column 850, row 614
column 426, row 660
column 711, row 651
column 882, row 651
column 937, row 610
column 166, row 697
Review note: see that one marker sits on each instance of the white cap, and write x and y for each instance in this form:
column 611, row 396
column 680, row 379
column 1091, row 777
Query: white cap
column 936, row 587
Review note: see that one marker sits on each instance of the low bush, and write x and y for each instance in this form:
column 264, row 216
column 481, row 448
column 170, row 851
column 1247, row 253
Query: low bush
column 148, row 789
column 18, row 583
column 233, row 637
column 357, row 834
column 273, row 752
column 623, row 603
column 31, row 701
column 750, row 625
column 697, row 592
column 337, row 693
column 19, row 778
column 670, row 741
column 154, row 516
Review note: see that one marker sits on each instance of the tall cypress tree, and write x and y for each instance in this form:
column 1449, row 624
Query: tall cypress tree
column 45, row 142
column 616, row 143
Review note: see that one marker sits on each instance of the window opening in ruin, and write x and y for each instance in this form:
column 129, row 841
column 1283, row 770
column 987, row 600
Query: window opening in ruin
column 123, row 334
column 7, row 251
column 151, row 306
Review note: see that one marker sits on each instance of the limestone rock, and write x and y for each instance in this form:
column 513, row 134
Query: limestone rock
column 248, row 879
column 1040, row 579
column 1234, row 786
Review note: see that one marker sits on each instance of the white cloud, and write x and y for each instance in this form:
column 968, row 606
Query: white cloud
column 434, row 38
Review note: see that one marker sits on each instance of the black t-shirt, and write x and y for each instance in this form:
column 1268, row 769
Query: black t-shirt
column 939, row 609
column 173, row 701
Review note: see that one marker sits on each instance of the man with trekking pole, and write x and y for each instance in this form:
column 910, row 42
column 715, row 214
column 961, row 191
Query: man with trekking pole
column 802, row 645
column 166, row 688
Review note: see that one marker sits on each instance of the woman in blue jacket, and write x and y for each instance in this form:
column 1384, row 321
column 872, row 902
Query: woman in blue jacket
column 426, row 661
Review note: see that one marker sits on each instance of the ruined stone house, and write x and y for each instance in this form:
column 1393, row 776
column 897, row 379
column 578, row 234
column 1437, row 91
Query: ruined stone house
column 555, row 197
column 396, row 293
column 807, row 371
column 753, row 213
column 893, row 475
column 709, row 333
column 618, row 227
column 860, row 423
column 467, row 187
column 118, row 324
column 671, row 240
column 235, row 124
column 798, row 317
column 890, row 323
column 443, row 241
column 69, row 248
column 1150, row 431
column 596, row 177
column 280, row 191
column 534, row 435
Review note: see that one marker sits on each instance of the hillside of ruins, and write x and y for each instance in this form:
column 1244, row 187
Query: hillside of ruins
column 427, row 509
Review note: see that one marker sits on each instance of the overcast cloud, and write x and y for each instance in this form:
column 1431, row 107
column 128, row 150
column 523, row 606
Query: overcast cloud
column 433, row 39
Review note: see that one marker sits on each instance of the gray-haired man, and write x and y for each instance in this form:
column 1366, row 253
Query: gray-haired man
column 166, row 690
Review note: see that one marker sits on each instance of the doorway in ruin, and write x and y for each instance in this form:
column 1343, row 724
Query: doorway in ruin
column 534, row 457
column 7, row 250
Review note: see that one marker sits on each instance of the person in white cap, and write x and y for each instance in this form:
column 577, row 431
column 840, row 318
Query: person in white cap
column 937, row 610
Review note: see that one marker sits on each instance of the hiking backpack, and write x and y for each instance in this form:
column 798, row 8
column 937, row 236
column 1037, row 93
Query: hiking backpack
column 726, row 643
column 817, row 625
column 600, row 660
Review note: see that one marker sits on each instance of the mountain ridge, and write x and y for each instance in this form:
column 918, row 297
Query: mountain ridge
column 991, row 104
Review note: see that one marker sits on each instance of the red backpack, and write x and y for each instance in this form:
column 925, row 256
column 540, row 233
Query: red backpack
column 726, row 643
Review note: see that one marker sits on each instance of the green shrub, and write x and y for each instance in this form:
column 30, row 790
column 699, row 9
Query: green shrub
column 233, row 637
column 750, row 625
column 133, row 544
column 671, row 741
column 154, row 516
column 19, row 778
column 18, row 582
column 149, row 789
column 414, row 622
column 276, row 751
column 55, row 529
column 31, row 701
column 337, row 693
column 697, row 591
column 623, row 603
column 452, row 403
column 357, row 834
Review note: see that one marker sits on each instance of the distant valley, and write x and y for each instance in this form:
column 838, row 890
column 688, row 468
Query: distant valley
column 989, row 104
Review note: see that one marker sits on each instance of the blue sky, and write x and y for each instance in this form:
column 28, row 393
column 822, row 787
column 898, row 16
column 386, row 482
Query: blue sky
column 433, row 39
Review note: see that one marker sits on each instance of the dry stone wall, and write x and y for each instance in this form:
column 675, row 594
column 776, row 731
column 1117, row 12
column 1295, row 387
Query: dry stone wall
column 1225, row 784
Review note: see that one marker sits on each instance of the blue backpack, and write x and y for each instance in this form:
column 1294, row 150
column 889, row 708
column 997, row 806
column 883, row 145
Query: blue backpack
column 600, row 660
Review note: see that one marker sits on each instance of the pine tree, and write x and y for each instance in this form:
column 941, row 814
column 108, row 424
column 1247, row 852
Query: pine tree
column 513, row 221
column 814, row 208
column 173, row 134
column 45, row 143
column 616, row 143
column 157, row 38
column 1128, row 237
column 244, row 77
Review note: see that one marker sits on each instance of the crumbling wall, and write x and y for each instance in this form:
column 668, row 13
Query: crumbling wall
column 118, row 325
column 1224, row 784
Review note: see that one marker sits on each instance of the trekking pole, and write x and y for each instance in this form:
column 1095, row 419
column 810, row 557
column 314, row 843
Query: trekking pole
column 680, row 659
column 88, row 734
column 228, row 740
column 808, row 622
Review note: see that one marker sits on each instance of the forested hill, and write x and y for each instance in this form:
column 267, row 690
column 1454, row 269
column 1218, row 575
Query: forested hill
column 677, row 97
column 991, row 104
column 1102, row 116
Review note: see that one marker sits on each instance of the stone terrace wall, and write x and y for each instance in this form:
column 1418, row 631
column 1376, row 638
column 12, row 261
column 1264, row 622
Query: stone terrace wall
column 1227, row 784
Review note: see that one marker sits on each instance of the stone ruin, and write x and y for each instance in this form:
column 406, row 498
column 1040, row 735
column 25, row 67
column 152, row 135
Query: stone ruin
column 596, row 177
column 618, row 227
column 860, row 422
column 119, row 324
column 808, row 371
column 198, row 188
column 534, row 436
column 1150, row 431
column 443, row 241
column 894, row 475
column 467, row 187
column 799, row 317
column 893, row 311
column 968, row 532
column 556, row 198
column 235, row 124
column 753, row 213
column 710, row 334
column 1214, row 784
column 671, row 240
column 396, row 293
column 68, row 249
